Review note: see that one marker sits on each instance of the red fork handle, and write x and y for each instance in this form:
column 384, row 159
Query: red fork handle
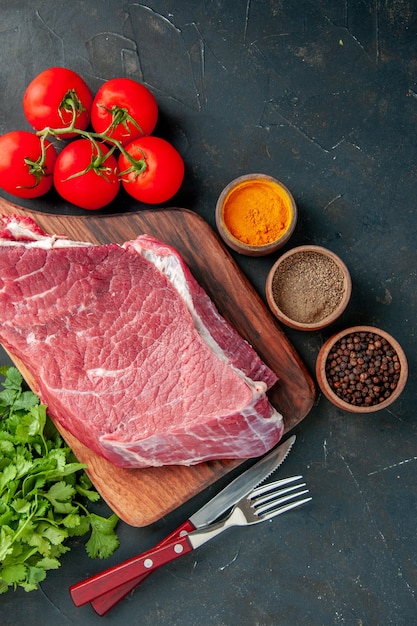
column 104, row 590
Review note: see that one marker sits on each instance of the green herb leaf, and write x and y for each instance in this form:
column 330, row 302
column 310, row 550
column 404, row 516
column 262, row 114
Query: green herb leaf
column 13, row 573
column 41, row 483
column 103, row 540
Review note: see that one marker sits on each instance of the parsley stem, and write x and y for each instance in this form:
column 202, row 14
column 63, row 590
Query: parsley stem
column 22, row 527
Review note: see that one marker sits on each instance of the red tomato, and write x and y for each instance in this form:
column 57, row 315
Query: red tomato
column 158, row 172
column 50, row 97
column 124, row 110
column 84, row 177
column 23, row 172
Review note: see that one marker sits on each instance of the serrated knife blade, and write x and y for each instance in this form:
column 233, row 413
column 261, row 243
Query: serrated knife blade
column 81, row 593
column 242, row 485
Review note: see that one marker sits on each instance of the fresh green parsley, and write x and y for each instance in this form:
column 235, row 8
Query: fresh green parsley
column 42, row 487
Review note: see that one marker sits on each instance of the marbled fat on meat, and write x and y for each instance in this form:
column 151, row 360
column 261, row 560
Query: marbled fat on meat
column 129, row 352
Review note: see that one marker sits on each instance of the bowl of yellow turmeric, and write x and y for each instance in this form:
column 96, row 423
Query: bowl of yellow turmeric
column 255, row 214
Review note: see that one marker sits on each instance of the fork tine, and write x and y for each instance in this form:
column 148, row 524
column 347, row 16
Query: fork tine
column 268, row 486
column 273, row 493
column 273, row 504
column 284, row 509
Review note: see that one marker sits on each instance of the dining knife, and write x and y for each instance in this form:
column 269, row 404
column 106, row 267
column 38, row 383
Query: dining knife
column 82, row 592
column 257, row 506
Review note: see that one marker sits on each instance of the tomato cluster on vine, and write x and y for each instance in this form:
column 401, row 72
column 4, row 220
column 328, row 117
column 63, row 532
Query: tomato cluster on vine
column 120, row 150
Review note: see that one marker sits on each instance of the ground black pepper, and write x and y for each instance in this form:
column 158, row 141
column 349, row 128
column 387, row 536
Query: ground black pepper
column 363, row 369
column 308, row 287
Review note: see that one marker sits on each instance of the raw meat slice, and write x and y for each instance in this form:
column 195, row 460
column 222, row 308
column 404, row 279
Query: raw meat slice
column 129, row 352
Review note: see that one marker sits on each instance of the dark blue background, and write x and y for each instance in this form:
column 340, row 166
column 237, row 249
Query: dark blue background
column 321, row 94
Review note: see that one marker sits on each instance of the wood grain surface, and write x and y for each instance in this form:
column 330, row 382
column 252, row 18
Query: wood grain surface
column 142, row 496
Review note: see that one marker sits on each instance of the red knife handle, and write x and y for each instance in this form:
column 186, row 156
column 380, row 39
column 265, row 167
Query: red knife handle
column 90, row 588
column 120, row 579
column 104, row 603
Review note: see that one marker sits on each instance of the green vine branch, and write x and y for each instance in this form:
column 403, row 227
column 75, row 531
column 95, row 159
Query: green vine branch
column 71, row 103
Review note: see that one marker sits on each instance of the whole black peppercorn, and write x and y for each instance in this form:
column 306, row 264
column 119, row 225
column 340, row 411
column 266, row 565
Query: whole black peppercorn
column 363, row 369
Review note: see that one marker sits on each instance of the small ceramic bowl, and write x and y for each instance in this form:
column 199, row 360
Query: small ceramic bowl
column 243, row 202
column 308, row 288
column 361, row 369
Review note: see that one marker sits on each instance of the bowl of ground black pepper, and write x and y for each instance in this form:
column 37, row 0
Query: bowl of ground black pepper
column 308, row 287
column 256, row 214
column 361, row 369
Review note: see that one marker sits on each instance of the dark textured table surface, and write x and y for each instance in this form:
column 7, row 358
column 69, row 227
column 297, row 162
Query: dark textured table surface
column 322, row 95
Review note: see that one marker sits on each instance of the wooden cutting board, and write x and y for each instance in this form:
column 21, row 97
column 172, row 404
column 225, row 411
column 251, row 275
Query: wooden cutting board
column 142, row 496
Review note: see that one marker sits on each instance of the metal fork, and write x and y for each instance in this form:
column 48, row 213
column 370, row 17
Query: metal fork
column 263, row 503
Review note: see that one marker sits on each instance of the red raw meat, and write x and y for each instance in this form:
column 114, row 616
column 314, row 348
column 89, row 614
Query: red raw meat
column 129, row 352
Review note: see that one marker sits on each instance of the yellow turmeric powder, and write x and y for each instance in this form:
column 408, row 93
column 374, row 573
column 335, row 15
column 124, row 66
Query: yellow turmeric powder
column 257, row 212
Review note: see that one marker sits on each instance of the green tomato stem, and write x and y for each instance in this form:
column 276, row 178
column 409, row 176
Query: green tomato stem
column 71, row 104
column 37, row 168
column 137, row 165
column 120, row 116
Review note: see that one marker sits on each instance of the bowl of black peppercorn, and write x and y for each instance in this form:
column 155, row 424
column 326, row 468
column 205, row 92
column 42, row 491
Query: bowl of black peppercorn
column 361, row 369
